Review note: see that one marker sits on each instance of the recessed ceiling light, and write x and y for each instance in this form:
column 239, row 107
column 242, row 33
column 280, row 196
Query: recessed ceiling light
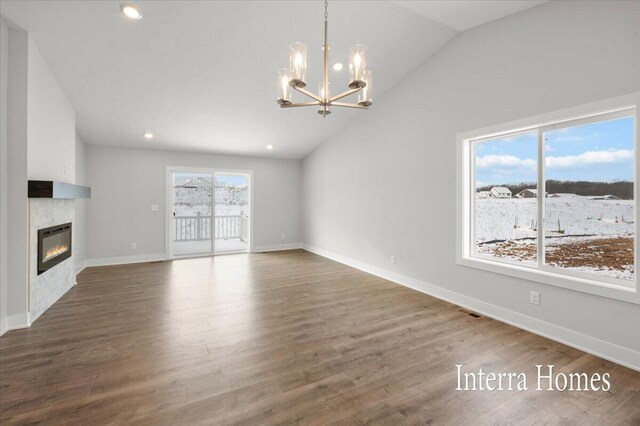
column 131, row 11
column 148, row 135
column 270, row 147
column 337, row 66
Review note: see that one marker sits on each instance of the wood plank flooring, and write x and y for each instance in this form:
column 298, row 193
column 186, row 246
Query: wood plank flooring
column 280, row 338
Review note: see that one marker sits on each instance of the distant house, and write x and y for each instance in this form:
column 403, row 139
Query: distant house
column 483, row 194
column 604, row 197
column 500, row 192
column 564, row 195
column 529, row 193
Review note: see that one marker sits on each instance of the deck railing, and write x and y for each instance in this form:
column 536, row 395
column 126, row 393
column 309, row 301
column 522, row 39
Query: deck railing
column 198, row 228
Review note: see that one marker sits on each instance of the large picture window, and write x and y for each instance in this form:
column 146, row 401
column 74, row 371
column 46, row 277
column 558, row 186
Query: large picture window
column 557, row 198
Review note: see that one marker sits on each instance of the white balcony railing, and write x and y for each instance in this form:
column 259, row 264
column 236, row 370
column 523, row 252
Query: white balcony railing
column 198, row 228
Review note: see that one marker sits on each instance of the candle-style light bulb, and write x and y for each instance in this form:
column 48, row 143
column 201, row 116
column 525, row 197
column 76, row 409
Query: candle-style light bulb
column 321, row 91
column 297, row 64
column 284, row 89
column 324, row 109
column 357, row 66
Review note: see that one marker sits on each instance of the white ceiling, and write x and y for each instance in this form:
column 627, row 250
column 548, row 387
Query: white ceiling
column 201, row 75
column 464, row 14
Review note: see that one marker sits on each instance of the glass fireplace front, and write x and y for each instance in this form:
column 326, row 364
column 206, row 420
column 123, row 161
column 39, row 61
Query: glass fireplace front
column 54, row 246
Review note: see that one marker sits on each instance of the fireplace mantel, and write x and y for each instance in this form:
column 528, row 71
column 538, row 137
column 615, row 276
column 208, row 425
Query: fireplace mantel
column 58, row 190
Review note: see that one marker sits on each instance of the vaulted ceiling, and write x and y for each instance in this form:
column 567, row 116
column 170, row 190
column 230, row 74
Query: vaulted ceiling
column 201, row 75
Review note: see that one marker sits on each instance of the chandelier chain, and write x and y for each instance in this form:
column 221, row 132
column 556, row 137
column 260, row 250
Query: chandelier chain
column 326, row 13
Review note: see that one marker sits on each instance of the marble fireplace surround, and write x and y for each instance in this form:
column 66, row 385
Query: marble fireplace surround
column 45, row 289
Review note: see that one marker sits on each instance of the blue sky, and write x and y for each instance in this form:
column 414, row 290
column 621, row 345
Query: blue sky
column 232, row 180
column 597, row 152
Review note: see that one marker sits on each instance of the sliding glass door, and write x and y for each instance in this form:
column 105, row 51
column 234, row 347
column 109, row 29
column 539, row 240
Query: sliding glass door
column 209, row 212
column 191, row 227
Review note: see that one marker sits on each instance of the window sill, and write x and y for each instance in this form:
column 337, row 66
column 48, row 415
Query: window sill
column 612, row 291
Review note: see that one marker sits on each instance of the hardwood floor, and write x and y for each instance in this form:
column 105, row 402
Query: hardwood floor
column 280, row 338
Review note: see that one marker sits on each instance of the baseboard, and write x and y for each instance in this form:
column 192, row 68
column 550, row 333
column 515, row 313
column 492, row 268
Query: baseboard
column 80, row 266
column 609, row 351
column 17, row 321
column 277, row 247
column 122, row 260
column 3, row 326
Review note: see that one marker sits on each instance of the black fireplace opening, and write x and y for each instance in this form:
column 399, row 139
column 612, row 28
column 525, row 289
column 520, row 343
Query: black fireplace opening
column 54, row 246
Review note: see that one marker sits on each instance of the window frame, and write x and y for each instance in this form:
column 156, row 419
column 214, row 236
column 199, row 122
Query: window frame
column 616, row 288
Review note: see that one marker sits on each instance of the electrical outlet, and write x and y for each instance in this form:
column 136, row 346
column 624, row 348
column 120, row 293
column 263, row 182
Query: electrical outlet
column 393, row 260
column 534, row 298
column 133, row 246
column 283, row 237
column 154, row 207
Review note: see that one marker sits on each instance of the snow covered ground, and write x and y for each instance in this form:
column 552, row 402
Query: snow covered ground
column 513, row 218
column 229, row 201
column 581, row 234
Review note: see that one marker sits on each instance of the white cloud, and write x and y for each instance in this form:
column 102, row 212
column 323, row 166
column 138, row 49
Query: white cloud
column 503, row 161
column 586, row 158
column 589, row 157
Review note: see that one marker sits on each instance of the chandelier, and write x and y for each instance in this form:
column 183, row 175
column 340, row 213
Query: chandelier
column 294, row 78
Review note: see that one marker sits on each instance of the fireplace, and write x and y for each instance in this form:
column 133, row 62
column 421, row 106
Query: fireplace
column 54, row 246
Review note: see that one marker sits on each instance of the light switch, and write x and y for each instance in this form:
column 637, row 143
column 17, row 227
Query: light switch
column 154, row 207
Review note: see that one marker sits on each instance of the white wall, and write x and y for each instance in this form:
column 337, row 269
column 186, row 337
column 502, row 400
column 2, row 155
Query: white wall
column 17, row 202
column 385, row 185
column 4, row 59
column 126, row 182
column 51, row 124
column 79, row 227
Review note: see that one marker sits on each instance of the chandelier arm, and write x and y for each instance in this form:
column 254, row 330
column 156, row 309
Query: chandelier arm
column 345, row 94
column 300, row 104
column 348, row 105
column 308, row 93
